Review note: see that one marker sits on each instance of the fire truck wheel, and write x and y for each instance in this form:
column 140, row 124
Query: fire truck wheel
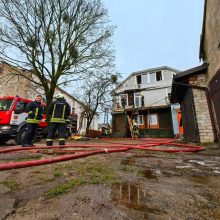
column 20, row 136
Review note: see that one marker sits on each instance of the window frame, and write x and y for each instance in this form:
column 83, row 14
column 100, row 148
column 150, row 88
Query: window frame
column 139, row 119
column 153, row 125
column 8, row 104
column 20, row 104
column 140, row 79
column 147, row 77
column 137, row 95
column 126, row 98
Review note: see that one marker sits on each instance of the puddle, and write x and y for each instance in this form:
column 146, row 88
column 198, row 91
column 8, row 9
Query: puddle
column 135, row 198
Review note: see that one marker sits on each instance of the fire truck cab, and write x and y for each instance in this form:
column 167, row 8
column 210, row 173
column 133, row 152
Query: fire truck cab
column 13, row 119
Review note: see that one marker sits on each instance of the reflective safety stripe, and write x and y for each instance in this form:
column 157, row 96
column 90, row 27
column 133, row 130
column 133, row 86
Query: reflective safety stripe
column 64, row 109
column 33, row 121
column 61, row 139
column 36, row 113
column 58, row 120
column 53, row 111
column 49, row 140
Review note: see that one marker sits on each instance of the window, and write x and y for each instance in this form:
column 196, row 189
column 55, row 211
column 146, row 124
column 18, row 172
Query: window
column 20, row 107
column 138, row 79
column 5, row 104
column 145, row 78
column 124, row 101
column 152, row 77
column 153, row 121
column 159, row 75
column 138, row 119
column 137, row 99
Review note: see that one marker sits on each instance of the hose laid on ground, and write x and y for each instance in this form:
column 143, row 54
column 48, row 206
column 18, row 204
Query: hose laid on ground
column 117, row 147
column 151, row 146
column 16, row 165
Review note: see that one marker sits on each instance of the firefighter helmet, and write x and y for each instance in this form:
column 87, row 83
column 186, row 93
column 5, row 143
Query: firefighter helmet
column 60, row 96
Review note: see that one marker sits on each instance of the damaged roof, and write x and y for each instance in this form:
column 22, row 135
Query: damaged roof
column 178, row 91
column 187, row 73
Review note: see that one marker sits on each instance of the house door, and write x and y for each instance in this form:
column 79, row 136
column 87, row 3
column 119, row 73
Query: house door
column 214, row 86
column 119, row 125
column 191, row 133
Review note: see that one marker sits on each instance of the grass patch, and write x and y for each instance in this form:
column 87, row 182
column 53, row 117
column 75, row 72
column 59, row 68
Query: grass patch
column 96, row 173
column 87, row 174
column 63, row 188
column 11, row 183
column 58, row 174
column 45, row 178
column 135, row 170
column 65, row 166
column 28, row 159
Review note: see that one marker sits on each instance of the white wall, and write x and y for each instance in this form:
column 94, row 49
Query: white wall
column 130, row 83
column 155, row 93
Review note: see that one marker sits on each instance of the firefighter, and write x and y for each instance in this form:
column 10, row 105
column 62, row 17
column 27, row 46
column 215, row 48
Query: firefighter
column 35, row 114
column 59, row 111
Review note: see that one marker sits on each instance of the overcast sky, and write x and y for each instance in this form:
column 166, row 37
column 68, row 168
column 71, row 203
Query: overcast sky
column 153, row 33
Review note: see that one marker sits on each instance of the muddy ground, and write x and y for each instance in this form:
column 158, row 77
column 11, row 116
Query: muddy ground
column 129, row 185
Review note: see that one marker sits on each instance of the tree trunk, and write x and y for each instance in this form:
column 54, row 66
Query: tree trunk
column 49, row 100
column 87, row 128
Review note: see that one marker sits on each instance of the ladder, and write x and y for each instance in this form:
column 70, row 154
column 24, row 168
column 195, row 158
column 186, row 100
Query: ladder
column 133, row 128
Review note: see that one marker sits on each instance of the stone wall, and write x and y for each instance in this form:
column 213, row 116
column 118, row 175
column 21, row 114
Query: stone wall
column 202, row 110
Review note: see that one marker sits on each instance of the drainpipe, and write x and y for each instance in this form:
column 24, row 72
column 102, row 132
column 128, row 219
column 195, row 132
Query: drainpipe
column 204, row 88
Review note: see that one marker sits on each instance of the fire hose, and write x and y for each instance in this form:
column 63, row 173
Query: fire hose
column 151, row 145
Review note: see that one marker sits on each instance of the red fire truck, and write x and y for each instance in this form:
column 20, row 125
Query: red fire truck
column 13, row 119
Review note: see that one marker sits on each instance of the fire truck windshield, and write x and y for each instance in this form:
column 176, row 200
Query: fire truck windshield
column 5, row 104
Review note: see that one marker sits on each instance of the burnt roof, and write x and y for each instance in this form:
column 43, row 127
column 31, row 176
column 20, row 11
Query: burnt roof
column 187, row 73
column 178, row 91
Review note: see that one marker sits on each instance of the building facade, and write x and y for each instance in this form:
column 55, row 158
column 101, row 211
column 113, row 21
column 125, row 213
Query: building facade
column 143, row 98
column 189, row 89
column 198, row 89
column 210, row 54
column 11, row 84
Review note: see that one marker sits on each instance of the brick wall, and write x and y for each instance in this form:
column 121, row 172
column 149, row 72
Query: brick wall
column 202, row 110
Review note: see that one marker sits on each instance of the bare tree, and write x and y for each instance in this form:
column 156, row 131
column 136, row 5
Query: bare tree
column 95, row 93
column 58, row 40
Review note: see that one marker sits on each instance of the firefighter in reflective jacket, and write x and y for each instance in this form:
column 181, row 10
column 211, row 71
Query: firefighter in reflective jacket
column 59, row 111
column 35, row 114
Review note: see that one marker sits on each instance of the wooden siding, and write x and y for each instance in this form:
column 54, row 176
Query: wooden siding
column 119, row 125
column 189, row 118
column 215, row 97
